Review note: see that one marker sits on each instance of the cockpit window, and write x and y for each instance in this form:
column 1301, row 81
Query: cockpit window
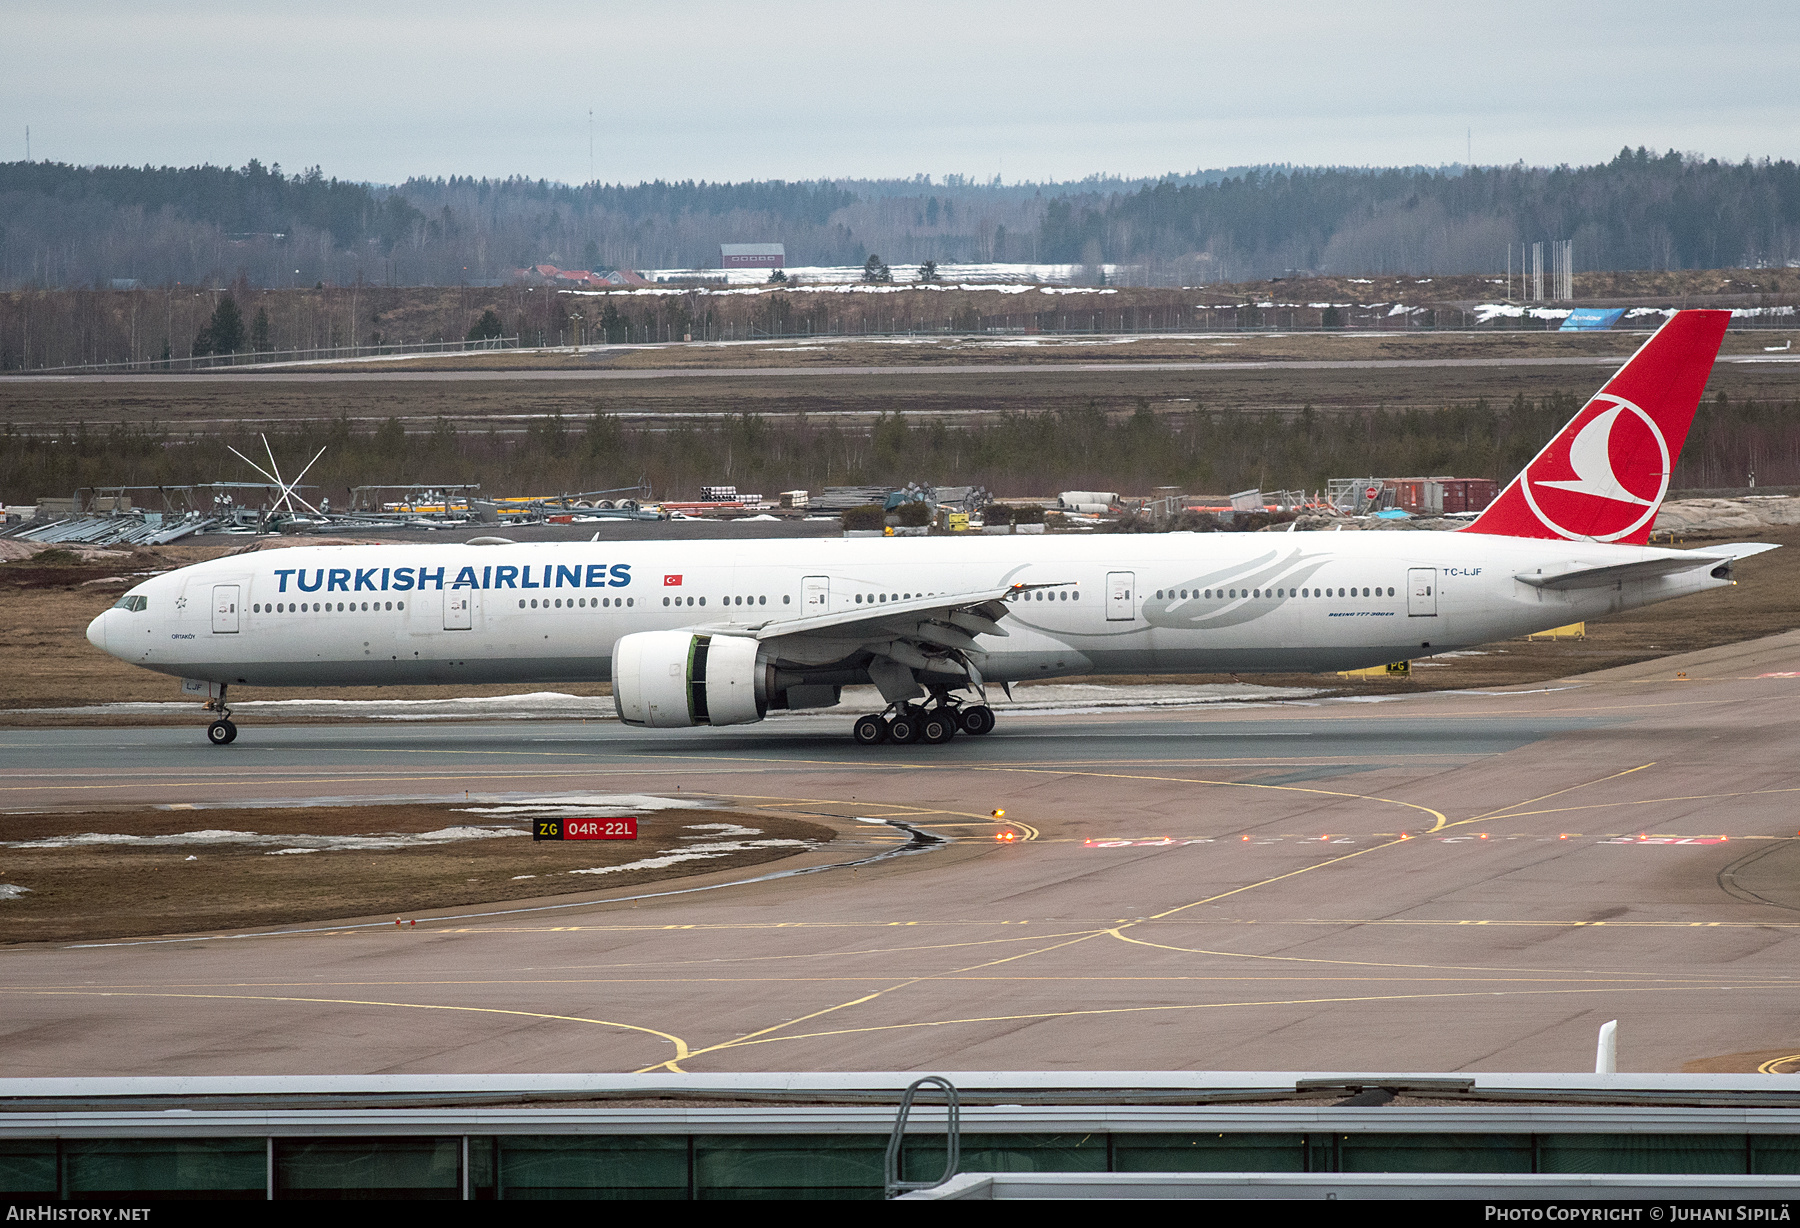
column 133, row 602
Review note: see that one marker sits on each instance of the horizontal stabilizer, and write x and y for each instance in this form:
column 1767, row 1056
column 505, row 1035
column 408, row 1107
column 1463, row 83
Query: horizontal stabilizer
column 1579, row 575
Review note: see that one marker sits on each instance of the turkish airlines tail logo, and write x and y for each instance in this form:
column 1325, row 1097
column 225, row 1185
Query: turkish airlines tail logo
column 1605, row 474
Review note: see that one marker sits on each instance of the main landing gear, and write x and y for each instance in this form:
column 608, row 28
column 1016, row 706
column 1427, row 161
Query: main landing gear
column 221, row 732
column 933, row 723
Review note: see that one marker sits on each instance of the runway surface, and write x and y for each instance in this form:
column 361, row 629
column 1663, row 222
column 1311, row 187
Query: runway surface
column 1442, row 882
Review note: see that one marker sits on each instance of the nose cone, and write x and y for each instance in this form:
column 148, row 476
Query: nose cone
column 97, row 631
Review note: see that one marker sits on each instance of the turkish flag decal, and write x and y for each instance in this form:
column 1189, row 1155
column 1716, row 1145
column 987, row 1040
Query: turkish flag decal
column 671, row 581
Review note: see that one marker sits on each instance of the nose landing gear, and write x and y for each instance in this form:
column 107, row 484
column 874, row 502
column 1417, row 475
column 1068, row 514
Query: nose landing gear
column 221, row 732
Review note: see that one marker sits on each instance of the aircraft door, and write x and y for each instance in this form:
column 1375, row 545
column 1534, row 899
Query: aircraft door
column 459, row 610
column 225, row 609
column 815, row 596
column 1121, row 596
column 1421, row 592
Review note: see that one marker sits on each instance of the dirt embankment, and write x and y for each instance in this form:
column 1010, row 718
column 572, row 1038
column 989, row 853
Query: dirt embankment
column 88, row 876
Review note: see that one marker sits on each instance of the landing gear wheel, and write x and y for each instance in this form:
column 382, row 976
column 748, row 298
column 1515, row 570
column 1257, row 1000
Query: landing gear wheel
column 221, row 733
column 904, row 728
column 870, row 731
column 937, row 728
column 977, row 720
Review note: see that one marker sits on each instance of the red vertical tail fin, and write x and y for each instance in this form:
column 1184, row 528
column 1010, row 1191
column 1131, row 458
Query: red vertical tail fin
column 1604, row 475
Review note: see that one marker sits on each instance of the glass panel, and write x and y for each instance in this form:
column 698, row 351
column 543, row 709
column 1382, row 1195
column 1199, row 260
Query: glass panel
column 1641, row 1153
column 1208, row 1153
column 789, row 1165
column 1435, row 1153
column 484, row 1161
column 1775, row 1153
column 28, row 1166
column 166, row 1168
column 592, row 1166
column 923, row 1160
column 368, row 1168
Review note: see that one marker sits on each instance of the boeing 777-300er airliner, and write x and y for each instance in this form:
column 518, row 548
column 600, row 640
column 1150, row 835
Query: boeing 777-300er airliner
column 720, row 633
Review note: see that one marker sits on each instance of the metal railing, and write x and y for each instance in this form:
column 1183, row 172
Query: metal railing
column 953, row 1127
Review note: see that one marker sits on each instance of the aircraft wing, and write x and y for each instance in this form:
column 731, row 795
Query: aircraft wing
column 1580, row 575
column 935, row 634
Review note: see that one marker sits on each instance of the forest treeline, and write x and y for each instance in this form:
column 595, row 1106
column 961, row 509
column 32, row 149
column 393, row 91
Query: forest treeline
column 64, row 328
column 1638, row 211
column 63, row 226
column 1203, row 451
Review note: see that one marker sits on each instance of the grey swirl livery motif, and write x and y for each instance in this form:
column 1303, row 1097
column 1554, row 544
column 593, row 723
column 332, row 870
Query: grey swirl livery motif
column 1233, row 595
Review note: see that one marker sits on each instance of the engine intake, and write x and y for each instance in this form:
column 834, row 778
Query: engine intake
column 674, row 679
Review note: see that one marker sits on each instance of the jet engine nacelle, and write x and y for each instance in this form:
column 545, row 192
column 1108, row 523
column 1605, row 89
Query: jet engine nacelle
column 673, row 679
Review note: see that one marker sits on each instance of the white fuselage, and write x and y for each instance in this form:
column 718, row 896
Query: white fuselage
column 1138, row 604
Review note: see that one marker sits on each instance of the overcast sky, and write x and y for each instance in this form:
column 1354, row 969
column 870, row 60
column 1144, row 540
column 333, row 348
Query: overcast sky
column 780, row 90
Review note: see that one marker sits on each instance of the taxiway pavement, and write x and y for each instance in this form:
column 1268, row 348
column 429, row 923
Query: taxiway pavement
column 1439, row 882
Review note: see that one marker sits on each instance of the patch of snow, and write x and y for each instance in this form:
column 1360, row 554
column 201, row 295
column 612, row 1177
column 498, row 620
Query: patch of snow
column 832, row 276
column 12, row 891
column 583, row 806
column 291, row 843
column 1483, row 312
column 537, row 705
column 721, row 829
column 699, row 852
column 1059, row 698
